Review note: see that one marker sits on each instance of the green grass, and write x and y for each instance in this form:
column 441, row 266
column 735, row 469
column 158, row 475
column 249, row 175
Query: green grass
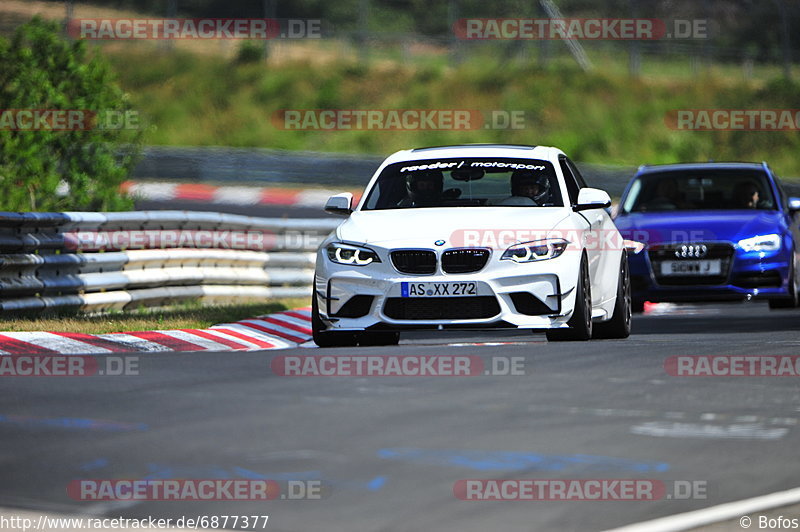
column 599, row 117
column 187, row 316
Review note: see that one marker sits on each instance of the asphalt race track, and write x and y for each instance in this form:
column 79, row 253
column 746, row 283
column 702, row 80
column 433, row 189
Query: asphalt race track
column 388, row 450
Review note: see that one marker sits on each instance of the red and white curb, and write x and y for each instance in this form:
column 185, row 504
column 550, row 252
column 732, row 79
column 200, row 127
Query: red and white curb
column 230, row 195
column 282, row 330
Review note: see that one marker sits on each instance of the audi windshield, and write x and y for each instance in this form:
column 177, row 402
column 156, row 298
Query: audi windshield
column 699, row 190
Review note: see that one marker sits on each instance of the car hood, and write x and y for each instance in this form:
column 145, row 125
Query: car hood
column 696, row 226
column 457, row 226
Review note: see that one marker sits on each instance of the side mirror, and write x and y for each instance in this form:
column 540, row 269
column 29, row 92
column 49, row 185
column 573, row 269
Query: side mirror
column 794, row 205
column 592, row 198
column 341, row 204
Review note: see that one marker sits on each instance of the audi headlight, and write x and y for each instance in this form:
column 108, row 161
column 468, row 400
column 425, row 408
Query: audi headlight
column 536, row 250
column 761, row 243
column 351, row 255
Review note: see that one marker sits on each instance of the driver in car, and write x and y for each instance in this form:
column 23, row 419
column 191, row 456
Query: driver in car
column 528, row 188
column 424, row 189
column 746, row 195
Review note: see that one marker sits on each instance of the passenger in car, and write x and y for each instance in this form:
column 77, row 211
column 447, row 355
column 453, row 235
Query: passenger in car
column 666, row 197
column 528, row 188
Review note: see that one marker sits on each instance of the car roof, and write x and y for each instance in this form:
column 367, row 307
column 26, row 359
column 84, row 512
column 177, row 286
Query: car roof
column 476, row 150
column 675, row 167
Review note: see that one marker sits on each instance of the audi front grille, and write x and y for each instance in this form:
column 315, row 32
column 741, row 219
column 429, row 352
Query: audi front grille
column 687, row 252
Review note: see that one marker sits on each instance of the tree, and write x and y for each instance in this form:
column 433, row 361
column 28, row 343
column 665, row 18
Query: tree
column 41, row 71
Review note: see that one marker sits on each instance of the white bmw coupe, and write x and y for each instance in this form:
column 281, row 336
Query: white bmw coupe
column 474, row 236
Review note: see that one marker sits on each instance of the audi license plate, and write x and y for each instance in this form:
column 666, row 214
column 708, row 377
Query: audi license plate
column 691, row 267
column 454, row 289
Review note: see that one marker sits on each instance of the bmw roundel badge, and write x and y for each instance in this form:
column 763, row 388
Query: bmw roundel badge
column 439, row 242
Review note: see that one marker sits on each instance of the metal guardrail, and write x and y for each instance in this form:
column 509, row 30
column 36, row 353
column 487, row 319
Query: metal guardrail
column 102, row 261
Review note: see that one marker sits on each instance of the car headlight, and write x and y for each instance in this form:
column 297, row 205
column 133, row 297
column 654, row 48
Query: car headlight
column 351, row 255
column 761, row 243
column 536, row 250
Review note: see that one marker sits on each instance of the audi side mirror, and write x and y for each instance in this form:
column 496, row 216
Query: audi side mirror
column 794, row 205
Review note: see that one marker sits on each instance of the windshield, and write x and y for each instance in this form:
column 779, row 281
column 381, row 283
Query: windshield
column 693, row 190
column 466, row 182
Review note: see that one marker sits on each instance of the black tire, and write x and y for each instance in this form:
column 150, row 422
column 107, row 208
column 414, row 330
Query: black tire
column 619, row 326
column 378, row 338
column 580, row 324
column 325, row 338
column 792, row 300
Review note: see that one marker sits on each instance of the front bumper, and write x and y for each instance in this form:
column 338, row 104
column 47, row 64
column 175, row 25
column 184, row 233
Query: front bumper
column 763, row 275
column 539, row 295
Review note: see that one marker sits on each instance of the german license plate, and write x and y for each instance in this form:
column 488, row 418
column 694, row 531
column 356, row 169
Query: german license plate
column 691, row 267
column 451, row 289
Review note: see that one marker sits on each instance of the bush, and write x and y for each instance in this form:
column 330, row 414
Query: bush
column 41, row 70
column 251, row 52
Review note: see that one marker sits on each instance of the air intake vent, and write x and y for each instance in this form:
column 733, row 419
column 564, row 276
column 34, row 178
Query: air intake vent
column 441, row 308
